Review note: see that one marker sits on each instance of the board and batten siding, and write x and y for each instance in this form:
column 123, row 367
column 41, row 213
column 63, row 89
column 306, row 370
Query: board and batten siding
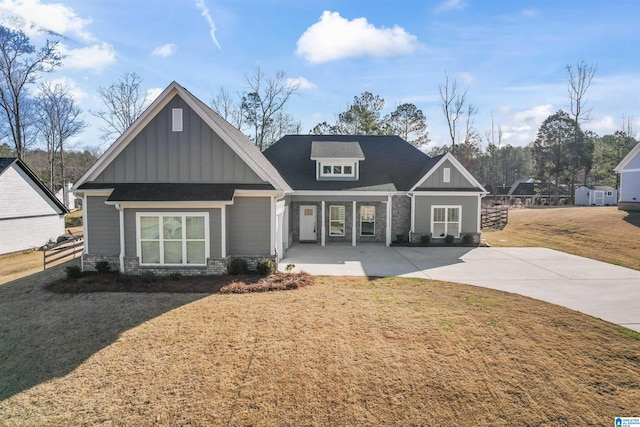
column 103, row 227
column 28, row 218
column 195, row 154
column 249, row 226
column 422, row 222
column 630, row 185
column 436, row 179
column 215, row 227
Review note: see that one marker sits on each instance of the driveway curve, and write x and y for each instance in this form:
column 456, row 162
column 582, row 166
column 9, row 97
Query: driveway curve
column 602, row 290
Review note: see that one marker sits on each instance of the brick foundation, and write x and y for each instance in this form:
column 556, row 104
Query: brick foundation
column 89, row 261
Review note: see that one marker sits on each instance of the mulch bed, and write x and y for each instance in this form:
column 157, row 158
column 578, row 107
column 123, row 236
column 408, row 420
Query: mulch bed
column 115, row 282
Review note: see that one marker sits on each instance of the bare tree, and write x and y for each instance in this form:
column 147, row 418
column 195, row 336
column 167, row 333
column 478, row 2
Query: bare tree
column 580, row 77
column 20, row 66
column 266, row 98
column 227, row 108
column 124, row 101
column 453, row 103
column 58, row 119
column 494, row 143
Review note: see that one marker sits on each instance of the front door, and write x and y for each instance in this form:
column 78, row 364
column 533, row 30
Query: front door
column 308, row 223
column 598, row 198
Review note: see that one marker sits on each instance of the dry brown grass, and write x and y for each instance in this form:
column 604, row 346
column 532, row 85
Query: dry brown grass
column 602, row 233
column 347, row 351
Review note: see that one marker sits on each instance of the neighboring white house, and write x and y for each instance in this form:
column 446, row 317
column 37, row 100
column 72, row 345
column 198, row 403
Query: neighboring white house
column 629, row 170
column 70, row 196
column 30, row 214
column 596, row 195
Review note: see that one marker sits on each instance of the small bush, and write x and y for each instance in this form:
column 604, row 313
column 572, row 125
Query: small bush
column 290, row 267
column 73, row 221
column 400, row 238
column 448, row 239
column 238, row 266
column 266, row 267
column 103, row 267
column 73, row 272
column 425, row 239
column 467, row 239
column 147, row 277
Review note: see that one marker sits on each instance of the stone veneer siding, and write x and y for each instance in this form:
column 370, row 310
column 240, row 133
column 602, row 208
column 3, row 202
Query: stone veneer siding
column 400, row 216
column 415, row 238
column 89, row 261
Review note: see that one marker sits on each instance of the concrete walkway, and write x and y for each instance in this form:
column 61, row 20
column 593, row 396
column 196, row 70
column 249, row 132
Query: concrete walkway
column 596, row 288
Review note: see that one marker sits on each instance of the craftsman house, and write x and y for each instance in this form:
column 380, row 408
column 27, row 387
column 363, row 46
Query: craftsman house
column 30, row 215
column 184, row 191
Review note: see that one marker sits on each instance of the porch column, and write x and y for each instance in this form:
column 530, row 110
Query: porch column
column 388, row 237
column 121, row 257
column 223, row 232
column 322, row 224
column 353, row 225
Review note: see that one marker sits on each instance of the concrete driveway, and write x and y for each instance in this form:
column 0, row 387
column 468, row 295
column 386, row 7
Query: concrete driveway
column 596, row 288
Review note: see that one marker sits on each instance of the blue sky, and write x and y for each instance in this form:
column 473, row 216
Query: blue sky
column 510, row 54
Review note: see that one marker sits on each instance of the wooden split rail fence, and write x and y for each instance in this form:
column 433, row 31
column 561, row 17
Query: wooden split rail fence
column 63, row 251
column 494, row 217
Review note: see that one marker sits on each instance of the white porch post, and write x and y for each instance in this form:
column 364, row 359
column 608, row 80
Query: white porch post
column 223, row 232
column 121, row 257
column 353, row 225
column 273, row 225
column 479, row 214
column 413, row 213
column 322, row 225
column 388, row 237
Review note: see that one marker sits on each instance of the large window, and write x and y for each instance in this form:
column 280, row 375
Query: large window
column 336, row 220
column 445, row 220
column 173, row 239
column 367, row 220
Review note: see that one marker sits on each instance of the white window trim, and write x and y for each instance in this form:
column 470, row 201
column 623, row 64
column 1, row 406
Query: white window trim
column 446, row 174
column 160, row 215
column 446, row 222
column 344, row 222
column 341, row 165
column 176, row 119
column 374, row 221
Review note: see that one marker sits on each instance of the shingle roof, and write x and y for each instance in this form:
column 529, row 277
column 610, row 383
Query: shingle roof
column 390, row 163
column 5, row 162
column 336, row 150
column 172, row 192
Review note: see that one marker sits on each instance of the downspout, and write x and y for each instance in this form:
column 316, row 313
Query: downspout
column 121, row 211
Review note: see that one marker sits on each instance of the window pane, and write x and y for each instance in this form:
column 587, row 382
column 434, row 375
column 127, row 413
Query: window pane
column 336, row 228
column 172, row 227
column 337, row 213
column 453, row 229
column 195, row 227
column 150, row 252
column 173, row 252
column 438, row 214
column 149, row 227
column 348, row 170
column 337, row 170
column 326, row 170
column 367, row 213
column 367, row 228
column 453, row 214
column 195, row 253
column 438, row 230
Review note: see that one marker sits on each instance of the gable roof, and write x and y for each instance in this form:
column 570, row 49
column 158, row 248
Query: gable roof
column 6, row 162
column 627, row 159
column 391, row 164
column 441, row 160
column 235, row 139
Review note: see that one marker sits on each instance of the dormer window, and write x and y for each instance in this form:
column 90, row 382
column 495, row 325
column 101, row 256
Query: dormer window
column 337, row 160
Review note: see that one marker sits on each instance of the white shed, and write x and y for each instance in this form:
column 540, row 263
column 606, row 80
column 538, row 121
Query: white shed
column 596, row 195
column 30, row 214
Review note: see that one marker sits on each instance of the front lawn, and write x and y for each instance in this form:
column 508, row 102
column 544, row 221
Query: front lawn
column 345, row 351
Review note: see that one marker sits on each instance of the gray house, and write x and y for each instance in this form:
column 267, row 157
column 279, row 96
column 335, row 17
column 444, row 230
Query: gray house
column 596, row 195
column 629, row 170
column 184, row 191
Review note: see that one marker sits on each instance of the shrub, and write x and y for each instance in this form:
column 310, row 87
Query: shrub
column 238, row 266
column 103, row 267
column 266, row 267
column 73, row 221
column 467, row 239
column 73, row 272
column 425, row 239
column 400, row 238
column 290, row 267
column 448, row 239
column 147, row 277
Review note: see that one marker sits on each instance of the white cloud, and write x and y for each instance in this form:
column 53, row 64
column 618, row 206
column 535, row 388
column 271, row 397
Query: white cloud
column 467, row 78
column 165, row 50
column 536, row 114
column 529, row 13
column 76, row 92
column 603, row 125
column 450, row 5
column 36, row 18
column 521, row 127
column 334, row 37
column 302, row 83
column 95, row 57
column 200, row 4
column 153, row 93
